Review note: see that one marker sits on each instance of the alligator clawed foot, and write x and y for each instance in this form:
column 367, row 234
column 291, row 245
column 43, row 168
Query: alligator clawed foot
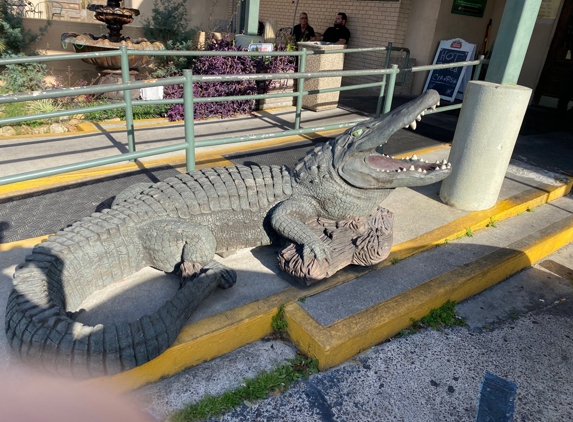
column 189, row 269
column 316, row 250
column 227, row 276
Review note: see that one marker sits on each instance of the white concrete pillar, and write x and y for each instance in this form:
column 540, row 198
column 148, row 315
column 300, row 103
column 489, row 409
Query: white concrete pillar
column 487, row 129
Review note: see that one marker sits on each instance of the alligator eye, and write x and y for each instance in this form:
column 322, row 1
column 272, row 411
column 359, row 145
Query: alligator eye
column 357, row 132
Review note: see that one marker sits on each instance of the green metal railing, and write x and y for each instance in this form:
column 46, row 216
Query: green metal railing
column 388, row 81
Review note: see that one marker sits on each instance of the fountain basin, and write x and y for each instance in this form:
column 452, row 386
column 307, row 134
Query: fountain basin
column 88, row 43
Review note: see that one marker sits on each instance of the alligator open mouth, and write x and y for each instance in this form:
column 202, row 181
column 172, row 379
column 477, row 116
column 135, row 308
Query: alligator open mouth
column 385, row 163
column 359, row 156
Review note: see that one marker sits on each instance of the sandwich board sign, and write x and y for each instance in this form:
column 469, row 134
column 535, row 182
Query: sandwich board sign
column 451, row 83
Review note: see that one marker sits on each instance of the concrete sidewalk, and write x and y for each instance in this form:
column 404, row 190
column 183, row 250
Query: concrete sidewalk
column 358, row 307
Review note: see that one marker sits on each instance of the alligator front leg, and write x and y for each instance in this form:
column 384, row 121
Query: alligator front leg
column 289, row 218
column 172, row 245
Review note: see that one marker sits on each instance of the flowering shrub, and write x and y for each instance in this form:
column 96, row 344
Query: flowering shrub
column 219, row 65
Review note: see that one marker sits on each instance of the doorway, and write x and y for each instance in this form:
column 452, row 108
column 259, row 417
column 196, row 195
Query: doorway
column 556, row 79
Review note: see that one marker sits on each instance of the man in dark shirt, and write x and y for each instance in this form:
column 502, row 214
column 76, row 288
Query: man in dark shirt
column 303, row 31
column 337, row 34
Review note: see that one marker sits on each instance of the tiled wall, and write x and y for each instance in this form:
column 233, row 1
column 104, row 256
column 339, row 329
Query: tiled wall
column 372, row 23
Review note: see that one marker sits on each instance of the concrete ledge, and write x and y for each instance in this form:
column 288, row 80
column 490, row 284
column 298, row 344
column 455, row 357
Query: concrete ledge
column 210, row 338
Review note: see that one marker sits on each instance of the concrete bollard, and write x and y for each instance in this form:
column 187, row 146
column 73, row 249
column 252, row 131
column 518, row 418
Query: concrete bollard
column 487, row 129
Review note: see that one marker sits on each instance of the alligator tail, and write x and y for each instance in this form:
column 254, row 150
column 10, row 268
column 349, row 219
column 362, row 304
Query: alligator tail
column 62, row 271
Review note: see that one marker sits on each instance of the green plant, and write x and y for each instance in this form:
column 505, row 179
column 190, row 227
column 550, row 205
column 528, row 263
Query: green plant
column 469, row 232
column 146, row 111
column 530, row 210
column 17, row 110
column 492, row 223
column 23, row 77
column 14, row 39
column 169, row 22
column 279, row 322
column 437, row 319
column 252, row 389
column 394, row 261
column 43, row 106
column 302, row 299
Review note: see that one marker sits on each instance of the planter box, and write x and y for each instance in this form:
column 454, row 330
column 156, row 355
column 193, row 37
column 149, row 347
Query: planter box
column 319, row 63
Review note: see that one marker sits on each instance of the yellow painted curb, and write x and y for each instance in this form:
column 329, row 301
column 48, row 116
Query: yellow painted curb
column 24, row 243
column 210, row 338
column 87, row 127
column 340, row 341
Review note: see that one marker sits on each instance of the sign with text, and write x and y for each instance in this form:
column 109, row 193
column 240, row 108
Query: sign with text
column 450, row 83
column 549, row 9
column 469, row 7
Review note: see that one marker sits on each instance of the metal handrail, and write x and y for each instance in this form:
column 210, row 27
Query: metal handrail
column 187, row 80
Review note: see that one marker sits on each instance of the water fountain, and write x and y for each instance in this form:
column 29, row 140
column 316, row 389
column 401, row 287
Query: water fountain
column 115, row 17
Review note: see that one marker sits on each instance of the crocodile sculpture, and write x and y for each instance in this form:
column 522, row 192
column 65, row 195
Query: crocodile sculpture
column 180, row 223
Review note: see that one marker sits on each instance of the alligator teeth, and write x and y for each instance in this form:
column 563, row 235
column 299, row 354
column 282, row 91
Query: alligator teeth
column 407, row 157
column 406, row 127
column 443, row 167
column 412, row 167
column 419, row 117
column 419, row 170
column 449, row 165
column 414, row 157
column 424, row 171
column 414, row 125
column 423, row 113
column 444, row 161
column 433, row 107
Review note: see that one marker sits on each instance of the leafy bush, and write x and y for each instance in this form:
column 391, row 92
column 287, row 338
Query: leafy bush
column 147, row 111
column 220, row 65
column 16, row 41
column 24, row 77
column 168, row 23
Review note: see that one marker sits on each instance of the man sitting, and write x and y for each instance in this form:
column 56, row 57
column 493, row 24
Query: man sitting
column 337, row 34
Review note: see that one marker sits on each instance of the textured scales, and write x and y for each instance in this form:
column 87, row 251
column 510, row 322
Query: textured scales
column 327, row 207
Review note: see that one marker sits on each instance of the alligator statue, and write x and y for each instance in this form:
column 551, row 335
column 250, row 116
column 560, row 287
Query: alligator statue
column 178, row 225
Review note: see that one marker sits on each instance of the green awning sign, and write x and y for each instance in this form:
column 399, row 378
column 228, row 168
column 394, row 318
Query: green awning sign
column 469, row 7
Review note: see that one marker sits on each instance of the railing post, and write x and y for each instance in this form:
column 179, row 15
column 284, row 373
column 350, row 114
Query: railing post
column 478, row 68
column 390, row 91
column 300, row 89
column 383, row 86
column 189, row 119
column 127, row 98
